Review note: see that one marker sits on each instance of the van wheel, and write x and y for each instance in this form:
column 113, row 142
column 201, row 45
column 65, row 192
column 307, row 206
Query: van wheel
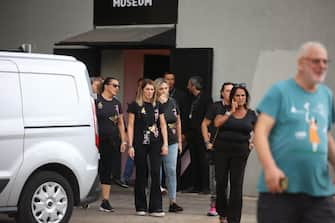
column 47, row 197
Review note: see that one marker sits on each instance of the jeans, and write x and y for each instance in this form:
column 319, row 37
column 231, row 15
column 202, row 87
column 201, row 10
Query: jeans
column 128, row 170
column 170, row 168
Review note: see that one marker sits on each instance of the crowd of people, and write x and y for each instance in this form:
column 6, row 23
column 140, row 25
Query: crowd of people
column 294, row 186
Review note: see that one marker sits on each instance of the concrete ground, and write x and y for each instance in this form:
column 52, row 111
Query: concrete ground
column 195, row 209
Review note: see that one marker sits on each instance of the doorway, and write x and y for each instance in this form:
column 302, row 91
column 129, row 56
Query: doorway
column 155, row 66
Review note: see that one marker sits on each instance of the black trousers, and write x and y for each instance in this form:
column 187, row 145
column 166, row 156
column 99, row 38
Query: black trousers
column 230, row 162
column 295, row 208
column 152, row 151
column 199, row 161
column 110, row 161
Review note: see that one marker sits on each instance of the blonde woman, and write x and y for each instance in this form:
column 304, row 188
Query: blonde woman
column 172, row 118
column 147, row 135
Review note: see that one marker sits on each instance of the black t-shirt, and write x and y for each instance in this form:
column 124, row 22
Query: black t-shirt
column 238, row 130
column 217, row 108
column 171, row 112
column 146, row 123
column 198, row 109
column 108, row 116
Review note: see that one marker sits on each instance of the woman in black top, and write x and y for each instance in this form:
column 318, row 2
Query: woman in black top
column 209, row 133
column 231, row 153
column 147, row 135
column 172, row 117
column 111, row 128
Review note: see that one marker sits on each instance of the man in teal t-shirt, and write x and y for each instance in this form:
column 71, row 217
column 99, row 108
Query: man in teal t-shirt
column 294, row 144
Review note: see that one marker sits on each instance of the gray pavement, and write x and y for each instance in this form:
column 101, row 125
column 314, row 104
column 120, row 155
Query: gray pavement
column 195, row 205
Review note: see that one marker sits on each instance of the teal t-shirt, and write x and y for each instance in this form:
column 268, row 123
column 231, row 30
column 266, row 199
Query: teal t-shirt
column 298, row 140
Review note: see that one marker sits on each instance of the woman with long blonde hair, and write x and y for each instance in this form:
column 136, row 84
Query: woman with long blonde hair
column 172, row 117
column 147, row 135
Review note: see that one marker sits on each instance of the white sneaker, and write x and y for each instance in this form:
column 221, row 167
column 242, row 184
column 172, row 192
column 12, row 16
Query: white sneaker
column 141, row 213
column 157, row 214
column 164, row 191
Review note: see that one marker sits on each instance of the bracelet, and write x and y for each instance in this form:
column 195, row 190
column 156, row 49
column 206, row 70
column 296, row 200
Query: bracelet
column 165, row 145
column 124, row 143
column 131, row 147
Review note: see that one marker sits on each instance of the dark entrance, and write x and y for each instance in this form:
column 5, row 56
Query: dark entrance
column 155, row 66
column 187, row 62
column 91, row 57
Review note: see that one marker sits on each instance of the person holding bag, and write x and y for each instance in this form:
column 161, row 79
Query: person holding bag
column 209, row 134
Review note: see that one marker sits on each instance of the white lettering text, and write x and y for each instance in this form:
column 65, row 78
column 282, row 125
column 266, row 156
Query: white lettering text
column 131, row 3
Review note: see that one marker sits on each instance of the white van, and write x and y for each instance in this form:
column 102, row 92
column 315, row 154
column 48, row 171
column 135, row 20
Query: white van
column 48, row 137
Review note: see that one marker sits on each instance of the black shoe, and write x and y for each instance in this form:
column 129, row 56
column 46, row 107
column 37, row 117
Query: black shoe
column 174, row 207
column 105, row 206
column 120, row 183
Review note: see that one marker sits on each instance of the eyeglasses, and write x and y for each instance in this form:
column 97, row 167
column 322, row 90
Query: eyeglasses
column 244, row 85
column 115, row 85
column 318, row 61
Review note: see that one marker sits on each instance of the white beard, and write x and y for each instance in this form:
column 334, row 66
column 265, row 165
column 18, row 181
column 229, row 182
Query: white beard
column 310, row 76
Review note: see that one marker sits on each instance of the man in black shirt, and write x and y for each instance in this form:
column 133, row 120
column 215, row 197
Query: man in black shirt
column 180, row 98
column 199, row 163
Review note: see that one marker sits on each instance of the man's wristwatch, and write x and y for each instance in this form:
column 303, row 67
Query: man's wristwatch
column 228, row 113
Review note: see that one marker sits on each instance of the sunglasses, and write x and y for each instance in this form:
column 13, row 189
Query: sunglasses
column 244, row 85
column 115, row 85
column 318, row 61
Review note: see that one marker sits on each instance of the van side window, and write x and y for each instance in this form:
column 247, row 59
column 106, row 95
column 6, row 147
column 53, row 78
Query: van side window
column 49, row 97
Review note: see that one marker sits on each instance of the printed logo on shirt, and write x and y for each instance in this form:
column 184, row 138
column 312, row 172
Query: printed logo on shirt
column 174, row 111
column 117, row 110
column 156, row 112
column 114, row 119
column 312, row 122
column 143, row 111
column 172, row 126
